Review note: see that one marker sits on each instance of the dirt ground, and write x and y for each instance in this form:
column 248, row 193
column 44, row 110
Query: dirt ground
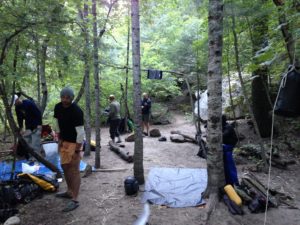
column 103, row 200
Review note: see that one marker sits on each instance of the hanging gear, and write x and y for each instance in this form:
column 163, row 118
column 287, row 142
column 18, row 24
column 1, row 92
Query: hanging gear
column 287, row 103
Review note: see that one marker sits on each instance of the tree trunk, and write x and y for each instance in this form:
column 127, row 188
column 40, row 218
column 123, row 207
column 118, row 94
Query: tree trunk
column 287, row 35
column 81, row 91
column 87, row 114
column 138, row 167
column 230, row 94
column 38, row 76
column 127, row 113
column 236, row 48
column 5, row 127
column 260, row 94
column 215, row 168
column 43, row 75
column 97, row 89
column 192, row 103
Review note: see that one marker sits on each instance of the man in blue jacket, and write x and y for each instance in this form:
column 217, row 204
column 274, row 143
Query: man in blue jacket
column 27, row 110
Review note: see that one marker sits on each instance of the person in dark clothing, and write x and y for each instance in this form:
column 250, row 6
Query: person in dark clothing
column 229, row 135
column 146, row 111
column 229, row 141
column 27, row 110
column 70, row 132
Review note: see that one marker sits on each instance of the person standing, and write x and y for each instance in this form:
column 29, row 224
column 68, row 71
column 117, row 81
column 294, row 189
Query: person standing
column 114, row 118
column 70, row 132
column 27, row 110
column 229, row 141
column 146, row 110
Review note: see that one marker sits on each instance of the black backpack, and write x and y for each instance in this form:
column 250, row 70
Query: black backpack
column 131, row 186
column 288, row 103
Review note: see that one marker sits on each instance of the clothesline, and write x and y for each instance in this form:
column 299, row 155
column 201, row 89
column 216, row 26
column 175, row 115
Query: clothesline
column 145, row 70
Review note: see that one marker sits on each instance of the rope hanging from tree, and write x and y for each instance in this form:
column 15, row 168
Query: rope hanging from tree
column 282, row 85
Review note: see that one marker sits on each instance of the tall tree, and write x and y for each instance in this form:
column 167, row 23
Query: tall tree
column 286, row 31
column 138, row 167
column 260, row 92
column 215, row 168
column 86, row 57
column 127, row 114
column 97, row 88
column 42, row 73
column 239, row 70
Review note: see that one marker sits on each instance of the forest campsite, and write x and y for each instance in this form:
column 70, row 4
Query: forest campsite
column 171, row 112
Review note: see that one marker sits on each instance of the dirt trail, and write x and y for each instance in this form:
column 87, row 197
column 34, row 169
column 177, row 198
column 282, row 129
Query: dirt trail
column 103, row 200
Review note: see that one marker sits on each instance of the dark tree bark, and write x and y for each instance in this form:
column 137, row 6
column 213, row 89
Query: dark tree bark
column 214, row 86
column 138, row 167
column 97, row 86
column 238, row 66
column 86, row 53
column 38, row 76
column 215, row 167
column 285, row 29
column 81, row 91
column 43, row 75
column 260, row 94
column 127, row 113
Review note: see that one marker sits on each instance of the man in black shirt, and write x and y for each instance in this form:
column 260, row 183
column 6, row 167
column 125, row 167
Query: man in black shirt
column 69, row 119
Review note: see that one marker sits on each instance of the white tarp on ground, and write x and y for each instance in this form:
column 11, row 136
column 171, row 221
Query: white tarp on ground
column 175, row 187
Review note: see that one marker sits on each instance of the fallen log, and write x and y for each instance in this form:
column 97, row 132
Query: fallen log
column 110, row 170
column 252, row 182
column 120, row 152
column 276, row 162
column 186, row 137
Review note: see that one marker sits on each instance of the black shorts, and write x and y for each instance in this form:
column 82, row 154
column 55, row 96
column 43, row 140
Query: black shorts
column 146, row 117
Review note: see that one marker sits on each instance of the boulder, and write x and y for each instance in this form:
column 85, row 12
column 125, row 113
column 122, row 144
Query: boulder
column 130, row 138
column 160, row 115
column 14, row 220
column 177, row 138
column 155, row 133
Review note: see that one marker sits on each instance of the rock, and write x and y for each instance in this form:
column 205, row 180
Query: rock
column 163, row 138
column 87, row 171
column 14, row 220
column 160, row 115
column 177, row 138
column 155, row 133
column 130, row 138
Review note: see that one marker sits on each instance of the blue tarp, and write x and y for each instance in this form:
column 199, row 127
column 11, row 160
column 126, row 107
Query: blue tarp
column 51, row 155
column 6, row 167
column 175, row 187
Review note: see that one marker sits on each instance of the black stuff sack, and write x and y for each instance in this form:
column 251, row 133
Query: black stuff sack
column 19, row 191
column 131, row 185
column 288, row 104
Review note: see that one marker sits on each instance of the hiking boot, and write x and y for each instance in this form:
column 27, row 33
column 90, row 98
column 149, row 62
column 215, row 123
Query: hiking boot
column 71, row 206
column 63, row 195
column 145, row 133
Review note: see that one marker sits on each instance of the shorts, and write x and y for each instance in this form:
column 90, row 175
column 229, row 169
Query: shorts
column 67, row 153
column 146, row 117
